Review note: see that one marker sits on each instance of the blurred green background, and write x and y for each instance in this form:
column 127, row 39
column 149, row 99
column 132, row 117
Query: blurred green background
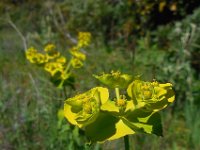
column 156, row 39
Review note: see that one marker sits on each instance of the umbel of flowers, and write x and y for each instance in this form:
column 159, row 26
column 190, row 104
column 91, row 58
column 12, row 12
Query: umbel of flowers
column 56, row 64
column 135, row 111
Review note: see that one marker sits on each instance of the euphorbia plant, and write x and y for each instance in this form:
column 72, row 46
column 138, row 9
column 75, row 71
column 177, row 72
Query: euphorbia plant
column 134, row 108
column 61, row 70
column 56, row 64
column 135, row 111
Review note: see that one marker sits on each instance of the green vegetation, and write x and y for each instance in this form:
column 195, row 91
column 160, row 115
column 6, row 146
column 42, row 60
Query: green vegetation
column 30, row 115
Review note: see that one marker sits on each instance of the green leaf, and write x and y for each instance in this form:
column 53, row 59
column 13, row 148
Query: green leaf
column 102, row 129
column 109, row 127
column 144, row 122
column 121, row 130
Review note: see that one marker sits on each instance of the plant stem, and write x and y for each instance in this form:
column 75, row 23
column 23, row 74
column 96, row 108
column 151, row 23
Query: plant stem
column 68, row 66
column 65, row 92
column 117, row 93
column 126, row 142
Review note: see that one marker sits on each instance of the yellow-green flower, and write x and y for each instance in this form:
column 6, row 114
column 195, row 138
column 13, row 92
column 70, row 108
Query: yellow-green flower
column 83, row 109
column 61, row 60
column 39, row 58
column 76, row 63
column 30, row 53
column 77, row 59
column 53, row 67
column 152, row 95
column 49, row 47
column 84, row 39
column 57, row 65
column 35, row 57
column 115, row 79
column 118, row 107
column 79, row 55
column 51, row 53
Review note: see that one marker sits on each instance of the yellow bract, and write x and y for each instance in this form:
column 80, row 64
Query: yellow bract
column 151, row 94
column 77, row 59
column 78, row 55
column 76, row 63
column 108, row 119
column 51, row 59
column 51, row 53
column 49, row 47
column 56, row 64
column 84, row 39
column 121, row 130
column 35, row 57
column 52, row 62
column 83, row 109
column 61, row 60
column 53, row 68
column 115, row 79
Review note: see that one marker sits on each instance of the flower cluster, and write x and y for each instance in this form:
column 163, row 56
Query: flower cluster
column 83, row 109
column 78, row 57
column 57, row 65
column 152, row 95
column 104, row 118
column 35, row 57
column 84, row 39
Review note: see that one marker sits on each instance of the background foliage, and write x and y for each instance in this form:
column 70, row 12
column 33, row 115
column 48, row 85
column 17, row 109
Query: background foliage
column 157, row 39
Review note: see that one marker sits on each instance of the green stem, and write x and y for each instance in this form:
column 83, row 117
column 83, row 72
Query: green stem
column 65, row 92
column 66, row 71
column 68, row 66
column 126, row 142
column 117, row 93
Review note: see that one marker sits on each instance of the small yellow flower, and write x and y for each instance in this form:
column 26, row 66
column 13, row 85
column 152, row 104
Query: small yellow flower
column 84, row 39
column 115, row 79
column 40, row 58
column 30, row 53
column 51, row 53
column 31, row 50
column 153, row 95
column 61, row 60
column 53, row 68
column 121, row 102
column 49, row 47
column 83, row 109
column 76, row 63
column 35, row 57
column 78, row 55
